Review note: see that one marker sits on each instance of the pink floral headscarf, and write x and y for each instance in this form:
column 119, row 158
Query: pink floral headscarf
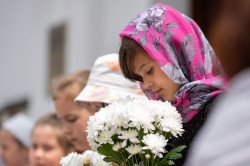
column 181, row 50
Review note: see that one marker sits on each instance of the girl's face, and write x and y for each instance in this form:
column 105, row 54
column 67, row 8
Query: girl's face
column 153, row 77
column 46, row 150
column 11, row 152
column 74, row 118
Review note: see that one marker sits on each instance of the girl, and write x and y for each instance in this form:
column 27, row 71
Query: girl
column 49, row 144
column 167, row 52
column 15, row 140
column 74, row 117
column 105, row 85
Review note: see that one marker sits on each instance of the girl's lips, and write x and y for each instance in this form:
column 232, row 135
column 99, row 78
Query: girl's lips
column 39, row 164
column 158, row 91
column 72, row 140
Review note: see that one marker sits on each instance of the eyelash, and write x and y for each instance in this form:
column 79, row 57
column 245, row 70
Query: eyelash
column 150, row 71
column 72, row 120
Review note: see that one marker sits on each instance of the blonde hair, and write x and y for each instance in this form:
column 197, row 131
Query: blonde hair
column 53, row 121
column 69, row 85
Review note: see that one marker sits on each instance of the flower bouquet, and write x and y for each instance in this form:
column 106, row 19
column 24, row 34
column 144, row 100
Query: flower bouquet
column 88, row 158
column 136, row 131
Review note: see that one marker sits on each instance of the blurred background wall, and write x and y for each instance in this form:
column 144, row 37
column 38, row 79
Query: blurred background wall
column 41, row 39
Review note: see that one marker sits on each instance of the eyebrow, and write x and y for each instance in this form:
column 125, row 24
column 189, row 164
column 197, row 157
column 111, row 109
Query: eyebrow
column 143, row 65
column 67, row 116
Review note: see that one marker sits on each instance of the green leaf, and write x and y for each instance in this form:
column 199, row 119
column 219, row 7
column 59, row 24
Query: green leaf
column 164, row 163
column 167, row 163
column 110, row 159
column 173, row 154
column 170, row 162
column 179, row 148
column 106, row 150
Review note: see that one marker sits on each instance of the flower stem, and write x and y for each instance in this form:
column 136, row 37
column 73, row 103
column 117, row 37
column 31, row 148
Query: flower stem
column 136, row 160
column 152, row 160
column 133, row 160
column 124, row 161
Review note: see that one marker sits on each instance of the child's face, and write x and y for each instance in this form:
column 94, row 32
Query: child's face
column 11, row 152
column 153, row 77
column 46, row 150
column 74, row 118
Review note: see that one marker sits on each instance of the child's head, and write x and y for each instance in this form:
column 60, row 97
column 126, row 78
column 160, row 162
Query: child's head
column 168, row 53
column 106, row 83
column 49, row 144
column 15, row 139
column 73, row 116
column 9, row 147
column 69, row 86
column 137, row 65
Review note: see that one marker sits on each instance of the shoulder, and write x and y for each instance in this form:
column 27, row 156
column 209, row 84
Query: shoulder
column 209, row 106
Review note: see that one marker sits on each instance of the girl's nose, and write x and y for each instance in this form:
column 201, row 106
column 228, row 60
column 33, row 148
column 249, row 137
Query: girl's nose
column 147, row 83
column 66, row 129
column 38, row 153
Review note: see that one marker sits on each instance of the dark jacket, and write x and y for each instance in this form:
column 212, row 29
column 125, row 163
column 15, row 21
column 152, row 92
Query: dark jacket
column 191, row 129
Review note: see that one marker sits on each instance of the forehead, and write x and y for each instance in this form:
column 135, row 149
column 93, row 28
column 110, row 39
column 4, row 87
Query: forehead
column 65, row 105
column 141, row 60
column 45, row 132
column 6, row 137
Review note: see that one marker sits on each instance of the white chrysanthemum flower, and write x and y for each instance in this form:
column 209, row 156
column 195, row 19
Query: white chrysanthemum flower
column 155, row 143
column 118, row 118
column 100, row 163
column 117, row 147
column 130, row 135
column 167, row 119
column 95, row 158
column 161, row 108
column 141, row 114
column 134, row 149
column 141, row 118
column 72, row 159
column 171, row 125
column 105, row 137
column 171, row 122
column 122, row 119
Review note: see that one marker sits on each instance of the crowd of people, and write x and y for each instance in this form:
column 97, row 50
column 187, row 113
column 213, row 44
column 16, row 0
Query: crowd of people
column 163, row 56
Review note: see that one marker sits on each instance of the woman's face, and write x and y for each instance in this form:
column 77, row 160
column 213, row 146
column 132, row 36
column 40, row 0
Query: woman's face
column 46, row 150
column 11, row 152
column 153, row 77
column 74, row 118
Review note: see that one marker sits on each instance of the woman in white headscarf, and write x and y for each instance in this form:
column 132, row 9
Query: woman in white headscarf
column 15, row 140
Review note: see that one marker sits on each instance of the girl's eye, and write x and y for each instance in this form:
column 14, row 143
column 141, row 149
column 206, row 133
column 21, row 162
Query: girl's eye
column 4, row 147
column 150, row 71
column 47, row 147
column 71, row 120
column 34, row 146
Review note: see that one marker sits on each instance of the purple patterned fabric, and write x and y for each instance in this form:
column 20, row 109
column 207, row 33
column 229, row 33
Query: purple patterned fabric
column 181, row 50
